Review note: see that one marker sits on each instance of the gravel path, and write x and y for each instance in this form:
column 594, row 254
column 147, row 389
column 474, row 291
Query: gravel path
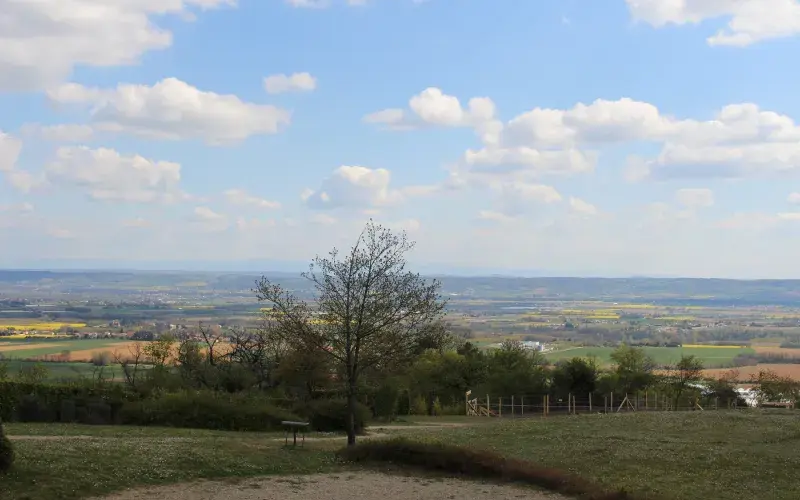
column 342, row 486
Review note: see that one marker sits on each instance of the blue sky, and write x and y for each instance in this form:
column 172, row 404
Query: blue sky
column 607, row 137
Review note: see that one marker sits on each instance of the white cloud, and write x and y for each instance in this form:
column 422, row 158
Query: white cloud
column 59, row 133
column 138, row 222
column 354, row 187
column 174, row 110
column 22, row 180
column 494, row 216
column 105, row 174
column 296, row 82
column 207, row 220
column 793, row 198
column 19, row 208
column 432, row 107
column 61, row 233
column 322, row 219
column 241, row 197
column 695, row 197
column 749, row 21
column 581, row 207
column 44, row 40
column 10, row 147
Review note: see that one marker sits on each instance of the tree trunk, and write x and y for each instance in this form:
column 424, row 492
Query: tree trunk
column 351, row 413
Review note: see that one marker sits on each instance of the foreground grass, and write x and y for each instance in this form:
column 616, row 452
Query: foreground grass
column 680, row 456
column 677, row 456
column 67, row 468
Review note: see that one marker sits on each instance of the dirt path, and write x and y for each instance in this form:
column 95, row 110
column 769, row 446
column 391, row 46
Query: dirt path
column 342, row 486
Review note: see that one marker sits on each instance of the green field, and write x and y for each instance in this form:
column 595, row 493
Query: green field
column 65, row 371
column 712, row 357
column 672, row 455
column 42, row 347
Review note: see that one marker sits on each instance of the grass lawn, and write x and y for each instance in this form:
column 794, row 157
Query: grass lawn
column 712, row 357
column 120, row 458
column 65, row 371
column 679, row 456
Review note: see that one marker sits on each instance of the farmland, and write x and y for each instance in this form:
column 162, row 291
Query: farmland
column 711, row 356
column 79, row 350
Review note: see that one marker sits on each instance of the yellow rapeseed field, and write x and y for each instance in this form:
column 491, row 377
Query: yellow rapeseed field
column 52, row 326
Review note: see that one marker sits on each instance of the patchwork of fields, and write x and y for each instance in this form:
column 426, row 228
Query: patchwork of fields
column 712, row 356
column 79, row 350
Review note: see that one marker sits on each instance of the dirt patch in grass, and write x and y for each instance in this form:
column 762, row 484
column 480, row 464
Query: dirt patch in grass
column 477, row 464
column 340, row 486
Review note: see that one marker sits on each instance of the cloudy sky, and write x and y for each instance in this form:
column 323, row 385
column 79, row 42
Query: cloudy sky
column 604, row 137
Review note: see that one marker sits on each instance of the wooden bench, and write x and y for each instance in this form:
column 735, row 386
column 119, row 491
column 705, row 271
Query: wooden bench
column 294, row 427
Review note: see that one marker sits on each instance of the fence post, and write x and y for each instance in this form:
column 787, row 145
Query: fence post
column 500, row 407
column 646, row 406
column 590, row 402
column 512, row 406
column 612, row 402
column 569, row 404
column 488, row 406
column 544, row 406
column 522, row 405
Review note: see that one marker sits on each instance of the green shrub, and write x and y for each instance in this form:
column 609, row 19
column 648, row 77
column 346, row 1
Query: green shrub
column 477, row 464
column 330, row 415
column 44, row 402
column 6, row 451
column 420, row 406
column 385, row 402
column 206, row 410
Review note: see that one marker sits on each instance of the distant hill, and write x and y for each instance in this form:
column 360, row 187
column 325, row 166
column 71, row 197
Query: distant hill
column 512, row 289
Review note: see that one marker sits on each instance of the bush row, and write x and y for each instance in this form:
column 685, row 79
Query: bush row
column 112, row 405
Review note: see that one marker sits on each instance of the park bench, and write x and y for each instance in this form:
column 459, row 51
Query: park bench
column 288, row 425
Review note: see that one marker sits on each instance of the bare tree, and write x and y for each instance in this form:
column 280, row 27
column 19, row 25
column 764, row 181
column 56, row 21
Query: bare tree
column 371, row 312
column 210, row 337
column 131, row 364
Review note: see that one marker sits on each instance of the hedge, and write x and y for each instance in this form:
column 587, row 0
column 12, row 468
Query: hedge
column 206, row 410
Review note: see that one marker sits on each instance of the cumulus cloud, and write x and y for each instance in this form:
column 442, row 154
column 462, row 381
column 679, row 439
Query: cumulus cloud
column 22, row 180
column 10, row 148
column 793, row 198
column 44, row 40
column 354, row 187
column 296, row 82
column 62, row 133
column 581, row 207
column 207, row 220
column 432, row 107
column 173, row 110
column 749, row 21
column 105, row 174
column 694, row 197
column 241, row 197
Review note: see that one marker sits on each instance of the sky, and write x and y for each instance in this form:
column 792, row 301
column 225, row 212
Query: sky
column 562, row 137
